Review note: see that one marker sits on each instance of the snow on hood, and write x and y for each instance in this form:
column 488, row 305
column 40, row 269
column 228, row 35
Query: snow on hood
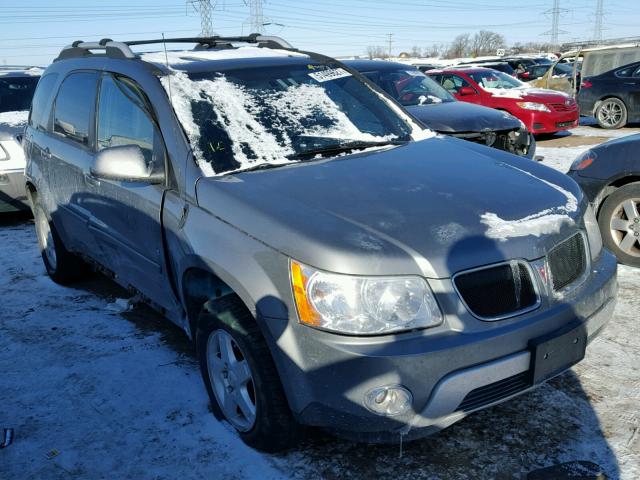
column 237, row 107
column 544, row 222
column 14, row 119
column 516, row 93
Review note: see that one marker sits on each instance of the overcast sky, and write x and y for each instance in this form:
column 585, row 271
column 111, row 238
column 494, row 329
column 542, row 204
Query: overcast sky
column 32, row 32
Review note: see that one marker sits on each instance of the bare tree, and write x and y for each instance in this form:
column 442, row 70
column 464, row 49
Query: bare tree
column 486, row 42
column 435, row 50
column 377, row 52
column 459, row 46
column 416, row 52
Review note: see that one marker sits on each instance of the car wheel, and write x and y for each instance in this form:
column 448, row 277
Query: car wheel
column 241, row 378
column 611, row 113
column 62, row 266
column 619, row 221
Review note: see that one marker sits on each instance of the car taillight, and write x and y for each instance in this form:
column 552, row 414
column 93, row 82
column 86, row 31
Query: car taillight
column 586, row 84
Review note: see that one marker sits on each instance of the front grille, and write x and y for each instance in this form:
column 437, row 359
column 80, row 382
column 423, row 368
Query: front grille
column 494, row 391
column 567, row 261
column 561, row 107
column 497, row 292
column 565, row 124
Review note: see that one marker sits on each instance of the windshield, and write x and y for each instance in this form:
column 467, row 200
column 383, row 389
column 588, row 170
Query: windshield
column 410, row 87
column 244, row 118
column 16, row 93
column 492, row 79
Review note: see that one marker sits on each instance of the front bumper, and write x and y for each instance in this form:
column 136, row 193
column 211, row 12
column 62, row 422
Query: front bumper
column 549, row 122
column 326, row 376
column 13, row 195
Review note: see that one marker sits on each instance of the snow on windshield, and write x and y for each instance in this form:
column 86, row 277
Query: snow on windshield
column 237, row 109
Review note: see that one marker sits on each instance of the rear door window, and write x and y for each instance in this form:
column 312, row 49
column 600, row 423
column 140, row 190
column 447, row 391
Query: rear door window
column 74, row 106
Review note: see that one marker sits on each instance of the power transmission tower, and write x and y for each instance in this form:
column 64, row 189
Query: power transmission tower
column 597, row 31
column 204, row 8
column 555, row 31
column 390, row 35
column 256, row 15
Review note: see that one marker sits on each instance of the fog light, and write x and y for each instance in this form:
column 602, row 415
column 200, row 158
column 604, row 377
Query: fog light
column 389, row 400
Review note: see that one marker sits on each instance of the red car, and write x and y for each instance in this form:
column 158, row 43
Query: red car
column 542, row 111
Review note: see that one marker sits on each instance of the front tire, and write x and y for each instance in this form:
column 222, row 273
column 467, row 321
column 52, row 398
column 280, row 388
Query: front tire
column 611, row 113
column 62, row 266
column 241, row 378
column 619, row 221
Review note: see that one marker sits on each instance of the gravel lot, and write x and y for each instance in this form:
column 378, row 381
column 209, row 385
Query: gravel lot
column 95, row 389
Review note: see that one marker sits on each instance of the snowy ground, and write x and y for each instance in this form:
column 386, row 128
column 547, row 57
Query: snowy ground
column 94, row 391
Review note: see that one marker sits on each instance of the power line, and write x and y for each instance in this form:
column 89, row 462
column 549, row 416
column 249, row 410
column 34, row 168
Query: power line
column 555, row 31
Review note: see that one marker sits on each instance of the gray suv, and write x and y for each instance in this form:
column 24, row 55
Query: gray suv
column 335, row 264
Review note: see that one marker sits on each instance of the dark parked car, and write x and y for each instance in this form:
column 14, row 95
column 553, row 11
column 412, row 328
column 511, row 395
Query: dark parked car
column 440, row 111
column 609, row 174
column 503, row 67
column 534, row 72
column 613, row 97
column 336, row 264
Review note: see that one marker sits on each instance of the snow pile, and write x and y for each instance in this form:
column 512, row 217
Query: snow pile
column 237, row 109
column 14, row 119
column 515, row 93
column 544, row 222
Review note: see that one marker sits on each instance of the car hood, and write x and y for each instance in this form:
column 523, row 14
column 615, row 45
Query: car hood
column 462, row 117
column 538, row 95
column 429, row 208
column 12, row 124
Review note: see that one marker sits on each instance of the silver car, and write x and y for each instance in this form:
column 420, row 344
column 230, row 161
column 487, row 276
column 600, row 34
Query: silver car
column 17, row 85
column 335, row 264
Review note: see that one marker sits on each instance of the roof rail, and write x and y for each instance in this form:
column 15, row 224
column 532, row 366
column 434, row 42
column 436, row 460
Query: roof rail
column 122, row 50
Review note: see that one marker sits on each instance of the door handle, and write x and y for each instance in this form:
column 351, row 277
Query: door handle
column 91, row 180
column 46, row 153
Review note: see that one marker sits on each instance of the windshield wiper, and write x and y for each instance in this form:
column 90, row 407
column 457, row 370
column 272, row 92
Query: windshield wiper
column 260, row 166
column 340, row 148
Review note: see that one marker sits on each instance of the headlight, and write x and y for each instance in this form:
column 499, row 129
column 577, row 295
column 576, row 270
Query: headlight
column 584, row 160
column 593, row 232
column 540, row 107
column 362, row 305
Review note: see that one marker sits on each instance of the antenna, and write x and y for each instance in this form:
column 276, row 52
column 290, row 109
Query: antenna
column 166, row 61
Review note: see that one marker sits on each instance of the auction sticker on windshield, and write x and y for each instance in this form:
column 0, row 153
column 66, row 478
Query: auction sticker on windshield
column 330, row 74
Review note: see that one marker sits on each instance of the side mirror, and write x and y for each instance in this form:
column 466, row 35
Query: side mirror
column 125, row 163
column 466, row 91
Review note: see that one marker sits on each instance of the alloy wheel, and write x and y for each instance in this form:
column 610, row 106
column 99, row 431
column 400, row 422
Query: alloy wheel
column 610, row 114
column 232, row 380
column 625, row 226
column 45, row 238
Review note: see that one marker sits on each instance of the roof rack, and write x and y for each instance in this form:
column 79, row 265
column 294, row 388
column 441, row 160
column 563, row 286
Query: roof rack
column 122, row 50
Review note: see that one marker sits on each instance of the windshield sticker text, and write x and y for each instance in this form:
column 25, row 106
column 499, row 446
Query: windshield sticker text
column 327, row 75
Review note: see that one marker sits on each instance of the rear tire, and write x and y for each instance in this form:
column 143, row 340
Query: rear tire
column 62, row 266
column 243, row 384
column 619, row 221
column 611, row 113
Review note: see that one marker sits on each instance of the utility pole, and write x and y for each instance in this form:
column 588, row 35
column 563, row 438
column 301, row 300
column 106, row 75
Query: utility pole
column 390, row 35
column 256, row 15
column 555, row 31
column 597, row 31
column 204, row 8
column 555, row 21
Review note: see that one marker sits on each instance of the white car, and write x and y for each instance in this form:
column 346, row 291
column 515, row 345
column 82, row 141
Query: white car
column 17, row 85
